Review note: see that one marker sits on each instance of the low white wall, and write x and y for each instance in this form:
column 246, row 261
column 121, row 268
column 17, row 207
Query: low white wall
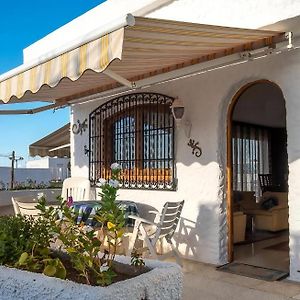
column 50, row 194
column 164, row 282
column 23, row 174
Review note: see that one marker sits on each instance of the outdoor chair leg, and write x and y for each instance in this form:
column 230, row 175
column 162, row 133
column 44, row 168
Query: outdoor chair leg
column 176, row 253
column 148, row 242
column 133, row 238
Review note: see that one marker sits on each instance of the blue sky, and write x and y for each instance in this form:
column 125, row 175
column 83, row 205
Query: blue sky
column 22, row 23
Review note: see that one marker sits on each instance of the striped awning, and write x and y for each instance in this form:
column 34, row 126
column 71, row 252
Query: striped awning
column 149, row 47
column 95, row 55
column 56, row 143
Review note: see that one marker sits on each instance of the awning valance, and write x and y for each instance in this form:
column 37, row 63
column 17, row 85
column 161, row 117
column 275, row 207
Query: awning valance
column 56, row 143
column 95, row 55
column 149, row 47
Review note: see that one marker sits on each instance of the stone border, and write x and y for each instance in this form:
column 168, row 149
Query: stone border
column 164, row 281
column 50, row 194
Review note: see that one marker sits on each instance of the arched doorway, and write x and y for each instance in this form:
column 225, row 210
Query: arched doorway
column 256, row 151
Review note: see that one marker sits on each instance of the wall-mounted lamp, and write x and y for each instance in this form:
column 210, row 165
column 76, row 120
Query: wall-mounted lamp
column 177, row 109
column 178, row 113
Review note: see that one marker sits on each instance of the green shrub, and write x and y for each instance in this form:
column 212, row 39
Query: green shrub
column 20, row 234
column 26, row 243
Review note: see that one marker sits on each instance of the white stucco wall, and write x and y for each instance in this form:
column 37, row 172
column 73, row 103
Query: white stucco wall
column 201, row 181
column 198, row 179
column 241, row 13
column 42, row 163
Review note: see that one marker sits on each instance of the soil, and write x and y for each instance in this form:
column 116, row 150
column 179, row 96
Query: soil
column 123, row 271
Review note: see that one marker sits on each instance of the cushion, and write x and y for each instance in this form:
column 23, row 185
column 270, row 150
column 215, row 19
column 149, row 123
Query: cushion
column 268, row 203
column 281, row 197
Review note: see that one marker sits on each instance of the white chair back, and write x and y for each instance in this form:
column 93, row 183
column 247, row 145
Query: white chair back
column 169, row 219
column 25, row 206
column 165, row 228
column 76, row 187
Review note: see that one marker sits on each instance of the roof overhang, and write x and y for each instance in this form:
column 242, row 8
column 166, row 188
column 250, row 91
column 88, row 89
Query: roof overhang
column 136, row 49
column 56, row 143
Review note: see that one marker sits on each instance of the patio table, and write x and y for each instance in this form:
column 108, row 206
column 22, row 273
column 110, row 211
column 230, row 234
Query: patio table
column 86, row 211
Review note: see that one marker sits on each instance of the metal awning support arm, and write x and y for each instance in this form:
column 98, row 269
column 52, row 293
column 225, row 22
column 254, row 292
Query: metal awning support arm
column 119, row 78
column 289, row 37
column 60, row 147
column 282, row 46
column 30, row 111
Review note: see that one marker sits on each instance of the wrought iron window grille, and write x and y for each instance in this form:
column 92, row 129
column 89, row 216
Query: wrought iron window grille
column 136, row 131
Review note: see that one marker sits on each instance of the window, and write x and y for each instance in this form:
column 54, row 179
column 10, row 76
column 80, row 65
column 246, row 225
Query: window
column 136, row 131
column 250, row 156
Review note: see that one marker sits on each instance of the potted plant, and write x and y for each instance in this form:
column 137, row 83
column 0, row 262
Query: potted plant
column 73, row 259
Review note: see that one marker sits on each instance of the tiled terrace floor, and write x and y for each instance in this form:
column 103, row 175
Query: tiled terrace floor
column 259, row 253
column 203, row 281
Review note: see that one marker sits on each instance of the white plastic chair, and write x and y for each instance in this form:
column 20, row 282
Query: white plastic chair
column 165, row 228
column 26, row 206
column 78, row 188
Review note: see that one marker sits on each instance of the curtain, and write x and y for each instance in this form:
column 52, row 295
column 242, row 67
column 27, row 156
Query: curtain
column 250, row 156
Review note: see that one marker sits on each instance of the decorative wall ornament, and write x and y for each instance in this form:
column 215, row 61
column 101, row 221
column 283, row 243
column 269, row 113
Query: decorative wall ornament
column 86, row 150
column 197, row 151
column 80, row 127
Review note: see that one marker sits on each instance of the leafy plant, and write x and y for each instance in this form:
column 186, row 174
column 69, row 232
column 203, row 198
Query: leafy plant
column 78, row 241
column 136, row 258
column 32, row 244
column 20, row 234
column 25, row 243
column 2, row 186
column 41, row 260
column 83, row 243
column 111, row 215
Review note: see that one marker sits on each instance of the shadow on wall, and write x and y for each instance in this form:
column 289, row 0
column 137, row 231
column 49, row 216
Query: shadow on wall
column 190, row 236
column 194, row 237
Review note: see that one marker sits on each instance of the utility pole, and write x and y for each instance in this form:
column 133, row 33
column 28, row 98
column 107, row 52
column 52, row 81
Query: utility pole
column 14, row 159
column 12, row 174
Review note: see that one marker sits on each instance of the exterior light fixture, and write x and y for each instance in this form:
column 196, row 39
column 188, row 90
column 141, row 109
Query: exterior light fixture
column 177, row 109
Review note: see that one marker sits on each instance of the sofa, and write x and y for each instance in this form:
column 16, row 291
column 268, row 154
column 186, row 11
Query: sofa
column 239, row 226
column 273, row 219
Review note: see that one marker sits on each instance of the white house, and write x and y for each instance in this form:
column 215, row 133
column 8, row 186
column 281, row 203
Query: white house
column 240, row 92
column 58, row 167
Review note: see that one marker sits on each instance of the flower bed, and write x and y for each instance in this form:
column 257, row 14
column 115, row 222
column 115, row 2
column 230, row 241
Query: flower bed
column 77, row 261
column 164, row 281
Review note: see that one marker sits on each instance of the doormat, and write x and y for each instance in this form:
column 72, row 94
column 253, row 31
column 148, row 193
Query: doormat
column 253, row 271
column 283, row 246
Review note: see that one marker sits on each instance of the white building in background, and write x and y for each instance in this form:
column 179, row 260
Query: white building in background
column 23, row 176
column 58, row 167
column 39, row 171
